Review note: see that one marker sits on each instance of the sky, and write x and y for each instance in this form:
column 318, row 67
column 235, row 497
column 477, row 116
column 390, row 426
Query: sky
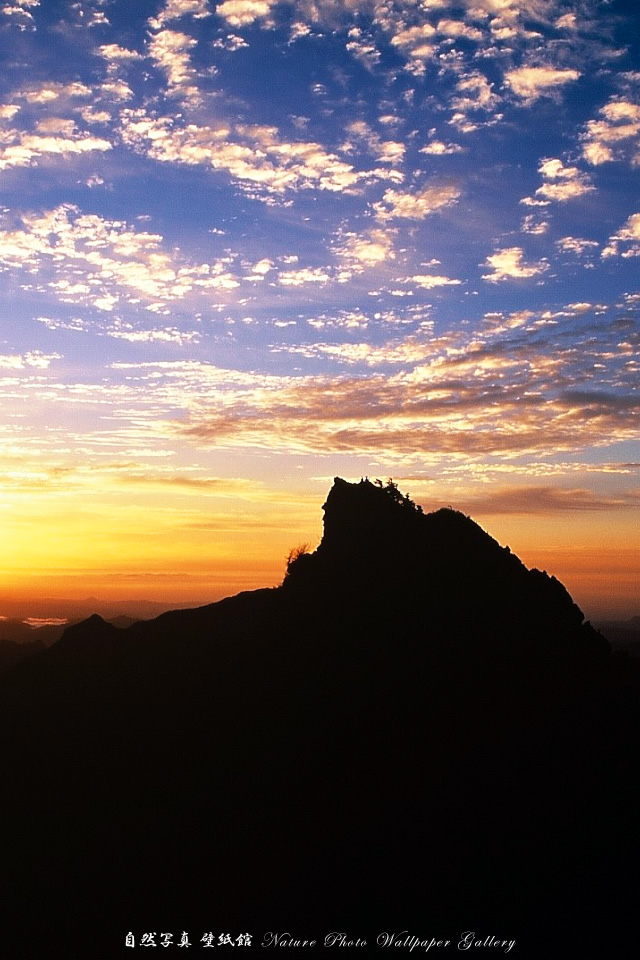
column 251, row 245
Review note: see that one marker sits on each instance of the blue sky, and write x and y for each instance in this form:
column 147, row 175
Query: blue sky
column 247, row 246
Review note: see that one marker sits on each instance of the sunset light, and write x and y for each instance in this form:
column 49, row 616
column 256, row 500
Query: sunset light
column 246, row 247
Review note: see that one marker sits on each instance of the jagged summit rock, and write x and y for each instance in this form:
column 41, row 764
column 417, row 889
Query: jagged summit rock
column 364, row 520
column 385, row 535
column 382, row 559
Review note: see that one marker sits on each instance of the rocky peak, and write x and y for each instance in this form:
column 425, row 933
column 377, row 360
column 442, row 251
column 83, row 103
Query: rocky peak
column 379, row 551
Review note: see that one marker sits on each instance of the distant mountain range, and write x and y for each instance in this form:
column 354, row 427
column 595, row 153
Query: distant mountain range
column 413, row 732
column 20, row 639
column 26, row 626
column 50, row 608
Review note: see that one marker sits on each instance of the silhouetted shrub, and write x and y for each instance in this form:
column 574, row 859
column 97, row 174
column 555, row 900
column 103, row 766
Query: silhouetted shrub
column 295, row 554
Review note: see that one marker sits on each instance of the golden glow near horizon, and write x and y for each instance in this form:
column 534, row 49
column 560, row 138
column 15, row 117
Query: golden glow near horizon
column 121, row 541
column 247, row 247
column 207, row 538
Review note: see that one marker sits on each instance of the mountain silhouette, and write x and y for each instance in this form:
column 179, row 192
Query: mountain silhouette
column 413, row 732
column 623, row 634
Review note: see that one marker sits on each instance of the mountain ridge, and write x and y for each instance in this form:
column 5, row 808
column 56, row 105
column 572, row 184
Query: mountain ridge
column 374, row 538
column 412, row 729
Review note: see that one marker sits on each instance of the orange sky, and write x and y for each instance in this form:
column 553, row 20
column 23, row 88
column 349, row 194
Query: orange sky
column 418, row 260
column 197, row 543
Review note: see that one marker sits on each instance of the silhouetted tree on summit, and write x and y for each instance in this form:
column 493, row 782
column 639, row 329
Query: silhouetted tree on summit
column 393, row 492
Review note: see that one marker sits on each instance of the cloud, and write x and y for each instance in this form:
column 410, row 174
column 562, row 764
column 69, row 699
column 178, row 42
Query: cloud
column 171, row 51
column 78, row 324
column 516, row 389
column 509, row 390
column 86, row 259
column 474, row 93
column 33, row 359
column 576, row 245
column 231, row 42
column 352, row 174
column 546, row 500
column 463, row 401
column 457, row 28
column 530, row 83
column 50, row 91
column 262, row 267
column 600, row 402
column 396, row 352
column 120, row 330
column 113, row 52
column 416, row 205
column 560, row 184
column 241, row 13
column 361, row 251
column 631, row 229
column 252, row 154
column 21, row 149
column 19, row 13
column 615, row 136
column 176, row 9
column 349, row 320
column 297, row 278
column 437, row 148
column 363, row 48
column 534, row 225
column 417, row 43
column 567, row 21
column 386, row 151
column 113, row 91
column 626, row 242
column 430, row 281
column 507, row 264
column 46, row 118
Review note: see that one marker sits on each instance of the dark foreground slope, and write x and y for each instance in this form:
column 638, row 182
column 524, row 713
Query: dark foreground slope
column 413, row 732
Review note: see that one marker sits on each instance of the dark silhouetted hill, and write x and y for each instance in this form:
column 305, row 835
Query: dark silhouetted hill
column 414, row 732
column 13, row 651
column 19, row 640
column 624, row 635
